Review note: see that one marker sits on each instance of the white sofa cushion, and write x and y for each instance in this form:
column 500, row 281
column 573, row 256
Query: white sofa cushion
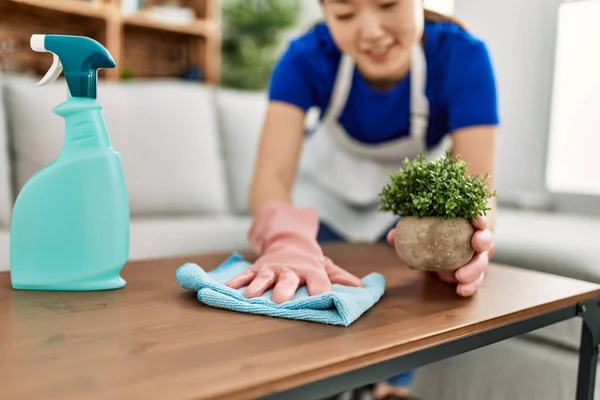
column 241, row 116
column 559, row 244
column 171, row 237
column 165, row 131
column 6, row 193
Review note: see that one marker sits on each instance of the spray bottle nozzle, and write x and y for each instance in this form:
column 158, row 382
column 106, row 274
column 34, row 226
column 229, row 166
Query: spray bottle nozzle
column 80, row 57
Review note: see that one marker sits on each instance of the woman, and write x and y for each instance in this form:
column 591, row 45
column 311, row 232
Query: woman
column 392, row 80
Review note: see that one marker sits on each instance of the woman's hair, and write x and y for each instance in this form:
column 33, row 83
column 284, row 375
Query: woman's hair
column 432, row 16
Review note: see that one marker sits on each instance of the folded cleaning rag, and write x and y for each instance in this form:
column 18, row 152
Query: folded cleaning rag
column 342, row 306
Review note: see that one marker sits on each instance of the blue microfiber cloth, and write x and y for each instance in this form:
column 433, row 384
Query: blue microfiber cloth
column 342, row 306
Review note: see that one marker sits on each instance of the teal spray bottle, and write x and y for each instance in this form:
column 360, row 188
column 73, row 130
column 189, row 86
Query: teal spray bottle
column 70, row 222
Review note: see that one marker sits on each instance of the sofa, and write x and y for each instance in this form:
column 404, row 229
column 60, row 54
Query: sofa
column 188, row 153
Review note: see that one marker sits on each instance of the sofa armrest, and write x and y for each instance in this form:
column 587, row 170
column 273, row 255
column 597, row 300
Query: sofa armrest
column 560, row 244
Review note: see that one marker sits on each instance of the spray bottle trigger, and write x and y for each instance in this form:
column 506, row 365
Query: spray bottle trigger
column 53, row 73
column 37, row 43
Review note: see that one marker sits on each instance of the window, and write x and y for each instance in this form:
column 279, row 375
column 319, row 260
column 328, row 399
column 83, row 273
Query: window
column 573, row 158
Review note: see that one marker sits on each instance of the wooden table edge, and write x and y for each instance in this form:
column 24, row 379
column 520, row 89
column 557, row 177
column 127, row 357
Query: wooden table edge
column 310, row 375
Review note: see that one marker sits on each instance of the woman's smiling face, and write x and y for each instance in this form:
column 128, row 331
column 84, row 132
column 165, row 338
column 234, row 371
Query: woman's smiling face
column 377, row 34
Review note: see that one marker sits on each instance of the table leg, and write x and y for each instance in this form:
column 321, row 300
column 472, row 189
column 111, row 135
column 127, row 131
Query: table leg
column 588, row 350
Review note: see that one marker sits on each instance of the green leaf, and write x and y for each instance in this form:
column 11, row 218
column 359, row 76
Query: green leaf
column 435, row 188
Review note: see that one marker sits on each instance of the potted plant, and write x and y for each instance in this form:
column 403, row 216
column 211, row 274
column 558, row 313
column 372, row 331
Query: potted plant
column 251, row 40
column 435, row 202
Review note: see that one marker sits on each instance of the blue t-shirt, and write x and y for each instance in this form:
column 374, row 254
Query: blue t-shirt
column 461, row 86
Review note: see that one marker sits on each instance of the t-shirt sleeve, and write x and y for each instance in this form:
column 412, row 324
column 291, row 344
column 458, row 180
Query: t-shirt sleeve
column 471, row 87
column 291, row 80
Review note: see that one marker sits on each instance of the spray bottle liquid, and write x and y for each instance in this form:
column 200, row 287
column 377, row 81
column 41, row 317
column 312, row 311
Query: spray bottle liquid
column 70, row 222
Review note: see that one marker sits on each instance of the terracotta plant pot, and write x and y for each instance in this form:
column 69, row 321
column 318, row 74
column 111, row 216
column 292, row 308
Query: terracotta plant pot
column 434, row 243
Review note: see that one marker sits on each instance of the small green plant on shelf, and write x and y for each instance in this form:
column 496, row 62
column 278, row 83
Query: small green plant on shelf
column 436, row 202
column 252, row 31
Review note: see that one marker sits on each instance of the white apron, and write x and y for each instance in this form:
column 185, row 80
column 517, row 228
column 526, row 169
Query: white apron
column 342, row 177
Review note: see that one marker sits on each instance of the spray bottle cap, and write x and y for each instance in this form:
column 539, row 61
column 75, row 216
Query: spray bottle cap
column 79, row 57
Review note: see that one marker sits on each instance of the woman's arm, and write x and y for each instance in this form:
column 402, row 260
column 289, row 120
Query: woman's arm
column 278, row 153
column 477, row 146
column 284, row 236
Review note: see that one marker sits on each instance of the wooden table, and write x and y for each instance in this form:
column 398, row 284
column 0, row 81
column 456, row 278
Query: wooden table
column 154, row 340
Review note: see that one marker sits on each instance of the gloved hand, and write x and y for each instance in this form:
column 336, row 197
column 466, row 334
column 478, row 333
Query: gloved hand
column 289, row 255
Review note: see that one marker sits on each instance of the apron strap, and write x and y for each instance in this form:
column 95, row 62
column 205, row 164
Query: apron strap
column 341, row 88
column 419, row 105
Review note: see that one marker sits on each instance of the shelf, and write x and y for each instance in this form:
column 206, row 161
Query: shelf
column 104, row 11
column 196, row 28
column 145, row 46
column 77, row 7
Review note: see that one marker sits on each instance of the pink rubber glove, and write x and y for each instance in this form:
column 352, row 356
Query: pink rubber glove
column 469, row 277
column 285, row 239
